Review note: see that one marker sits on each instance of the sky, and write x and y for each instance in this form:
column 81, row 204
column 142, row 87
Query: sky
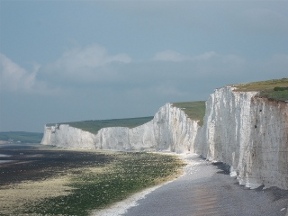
column 66, row 60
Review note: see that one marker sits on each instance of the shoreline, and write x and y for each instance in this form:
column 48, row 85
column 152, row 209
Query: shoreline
column 204, row 188
column 121, row 207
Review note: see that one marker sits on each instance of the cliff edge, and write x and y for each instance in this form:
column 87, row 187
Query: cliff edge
column 169, row 130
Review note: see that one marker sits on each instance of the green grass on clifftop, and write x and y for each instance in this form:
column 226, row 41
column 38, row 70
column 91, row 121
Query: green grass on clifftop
column 194, row 110
column 276, row 89
column 94, row 126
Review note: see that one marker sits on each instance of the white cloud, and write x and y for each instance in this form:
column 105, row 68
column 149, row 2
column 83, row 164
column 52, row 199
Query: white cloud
column 205, row 56
column 206, row 60
column 14, row 77
column 92, row 56
column 169, row 55
column 173, row 56
column 90, row 63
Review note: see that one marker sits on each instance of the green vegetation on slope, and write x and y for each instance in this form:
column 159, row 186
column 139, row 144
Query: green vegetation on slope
column 94, row 126
column 276, row 89
column 195, row 110
column 23, row 137
column 127, row 174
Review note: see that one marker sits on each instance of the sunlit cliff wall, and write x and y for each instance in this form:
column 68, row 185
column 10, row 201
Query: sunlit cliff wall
column 170, row 130
column 248, row 133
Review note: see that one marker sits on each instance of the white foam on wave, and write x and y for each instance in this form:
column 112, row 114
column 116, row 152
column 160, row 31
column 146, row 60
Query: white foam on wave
column 121, row 207
column 6, row 156
column 3, row 155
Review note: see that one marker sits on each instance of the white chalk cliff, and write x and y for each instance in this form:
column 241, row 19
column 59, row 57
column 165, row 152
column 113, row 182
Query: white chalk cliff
column 169, row 130
column 247, row 132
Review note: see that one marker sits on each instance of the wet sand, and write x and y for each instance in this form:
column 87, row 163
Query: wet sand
column 36, row 162
column 35, row 172
column 205, row 189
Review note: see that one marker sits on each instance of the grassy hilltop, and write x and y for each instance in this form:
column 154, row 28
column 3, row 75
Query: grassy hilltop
column 194, row 110
column 276, row 89
column 93, row 126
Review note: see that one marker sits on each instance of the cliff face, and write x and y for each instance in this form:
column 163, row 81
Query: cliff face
column 268, row 150
column 170, row 130
column 247, row 132
column 225, row 135
column 68, row 137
